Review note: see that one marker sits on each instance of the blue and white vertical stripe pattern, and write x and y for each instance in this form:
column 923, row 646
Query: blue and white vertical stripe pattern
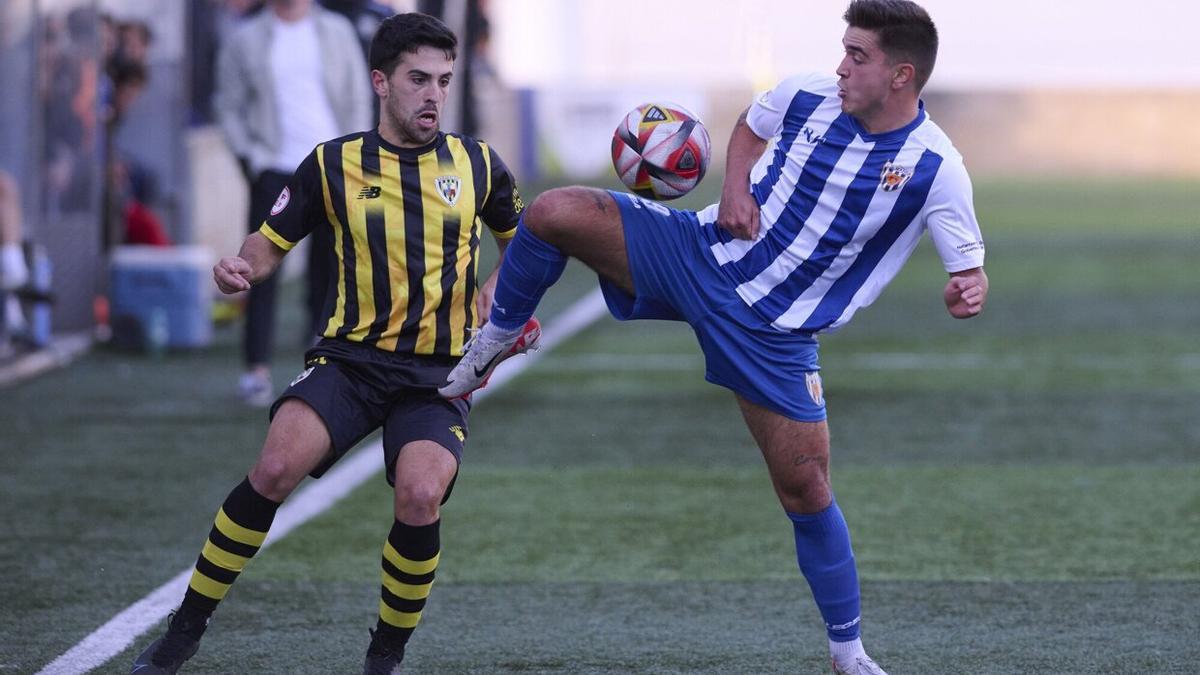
column 833, row 231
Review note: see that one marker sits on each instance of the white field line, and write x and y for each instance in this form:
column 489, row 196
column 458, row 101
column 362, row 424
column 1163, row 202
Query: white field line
column 315, row 498
column 603, row 362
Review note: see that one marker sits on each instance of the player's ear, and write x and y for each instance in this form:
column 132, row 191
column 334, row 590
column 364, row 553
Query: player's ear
column 904, row 74
column 379, row 82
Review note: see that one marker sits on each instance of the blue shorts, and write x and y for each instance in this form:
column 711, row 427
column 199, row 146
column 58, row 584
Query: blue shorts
column 677, row 280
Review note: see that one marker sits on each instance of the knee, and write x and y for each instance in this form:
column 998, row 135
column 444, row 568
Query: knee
column 809, row 497
column 805, row 488
column 553, row 211
column 272, row 477
column 418, row 501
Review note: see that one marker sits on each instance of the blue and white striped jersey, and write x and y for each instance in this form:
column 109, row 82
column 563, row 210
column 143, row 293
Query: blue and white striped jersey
column 841, row 209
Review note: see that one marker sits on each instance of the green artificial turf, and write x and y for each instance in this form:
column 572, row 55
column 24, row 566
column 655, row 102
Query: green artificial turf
column 1021, row 488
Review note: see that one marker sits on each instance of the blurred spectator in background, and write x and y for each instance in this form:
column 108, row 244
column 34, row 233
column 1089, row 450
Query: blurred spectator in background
column 69, row 90
column 14, row 273
column 364, row 15
column 130, row 187
column 288, row 78
column 211, row 22
column 133, row 41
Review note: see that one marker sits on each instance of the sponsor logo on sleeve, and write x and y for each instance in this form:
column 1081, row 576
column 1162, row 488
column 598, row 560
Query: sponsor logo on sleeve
column 301, row 376
column 281, row 202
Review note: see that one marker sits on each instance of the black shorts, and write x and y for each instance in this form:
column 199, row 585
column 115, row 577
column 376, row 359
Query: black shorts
column 357, row 388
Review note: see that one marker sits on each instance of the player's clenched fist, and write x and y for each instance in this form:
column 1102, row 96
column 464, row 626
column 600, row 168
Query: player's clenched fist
column 232, row 274
column 965, row 293
column 738, row 215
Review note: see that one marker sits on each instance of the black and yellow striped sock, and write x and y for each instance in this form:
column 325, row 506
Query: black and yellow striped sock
column 240, row 528
column 410, row 558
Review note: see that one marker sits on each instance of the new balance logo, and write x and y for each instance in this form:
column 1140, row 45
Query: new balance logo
column 370, row 192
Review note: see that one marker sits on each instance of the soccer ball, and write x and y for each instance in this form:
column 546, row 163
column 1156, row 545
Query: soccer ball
column 660, row 150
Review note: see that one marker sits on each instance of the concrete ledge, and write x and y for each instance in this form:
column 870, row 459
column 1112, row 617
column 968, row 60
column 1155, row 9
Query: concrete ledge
column 62, row 350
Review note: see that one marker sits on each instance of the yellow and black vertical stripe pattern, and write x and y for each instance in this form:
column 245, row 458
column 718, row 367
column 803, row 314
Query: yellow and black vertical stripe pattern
column 406, row 228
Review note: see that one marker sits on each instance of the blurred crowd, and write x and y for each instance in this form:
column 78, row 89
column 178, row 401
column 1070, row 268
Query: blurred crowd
column 130, row 188
column 112, row 94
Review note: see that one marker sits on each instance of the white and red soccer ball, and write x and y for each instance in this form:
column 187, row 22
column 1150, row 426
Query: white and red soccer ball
column 660, row 150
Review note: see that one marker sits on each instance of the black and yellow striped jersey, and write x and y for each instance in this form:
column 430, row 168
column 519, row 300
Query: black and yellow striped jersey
column 406, row 229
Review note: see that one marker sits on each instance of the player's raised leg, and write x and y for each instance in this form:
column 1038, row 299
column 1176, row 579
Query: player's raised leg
column 296, row 443
column 571, row 222
column 424, row 470
column 797, row 457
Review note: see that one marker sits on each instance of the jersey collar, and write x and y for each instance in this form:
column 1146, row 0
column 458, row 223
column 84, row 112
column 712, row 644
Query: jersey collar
column 408, row 152
column 894, row 134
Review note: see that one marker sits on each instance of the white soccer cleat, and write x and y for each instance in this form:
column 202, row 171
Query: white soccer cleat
column 859, row 665
column 481, row 357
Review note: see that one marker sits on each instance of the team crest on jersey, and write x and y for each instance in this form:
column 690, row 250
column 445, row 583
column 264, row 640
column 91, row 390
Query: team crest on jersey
column 281, row 202
column 893, row 177
column 812, row 380
column 449, row 188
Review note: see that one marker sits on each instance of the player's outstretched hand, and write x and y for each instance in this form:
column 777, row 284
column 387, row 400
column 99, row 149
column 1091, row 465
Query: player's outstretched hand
column 738, row 214
column 232, row 274
column 965, row 293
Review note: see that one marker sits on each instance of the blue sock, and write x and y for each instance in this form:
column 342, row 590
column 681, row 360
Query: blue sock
column 530, row 267
column 823, row 551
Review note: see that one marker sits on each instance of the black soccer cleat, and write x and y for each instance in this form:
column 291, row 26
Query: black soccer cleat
column 381, row 658
column 165, row 655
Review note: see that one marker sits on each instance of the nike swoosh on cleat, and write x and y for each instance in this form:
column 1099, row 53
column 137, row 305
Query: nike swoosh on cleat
column 480, row 372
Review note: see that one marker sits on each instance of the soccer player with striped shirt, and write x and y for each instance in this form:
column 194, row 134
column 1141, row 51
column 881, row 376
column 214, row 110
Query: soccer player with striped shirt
column 830, row 183
column 404, row 205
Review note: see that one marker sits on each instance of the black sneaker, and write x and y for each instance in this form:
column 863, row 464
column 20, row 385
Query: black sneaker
column 381, row 658
column 166, row 654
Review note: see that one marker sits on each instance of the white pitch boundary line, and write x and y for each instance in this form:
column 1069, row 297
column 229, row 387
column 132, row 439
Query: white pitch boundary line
column 604, row 362
column 315, row 498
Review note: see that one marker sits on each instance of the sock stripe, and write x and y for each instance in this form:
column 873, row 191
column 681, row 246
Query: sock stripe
column 223, row 558
column 208, row 587
column 219, row 540
column 411, row 579
column 402, row 605
column 398, row 619
column 408, row 566
column 217, row 573
column 242, row 535
column 406, row 591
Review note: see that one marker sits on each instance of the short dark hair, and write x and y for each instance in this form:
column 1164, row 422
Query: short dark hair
column 906, row 33
column 406, row 33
